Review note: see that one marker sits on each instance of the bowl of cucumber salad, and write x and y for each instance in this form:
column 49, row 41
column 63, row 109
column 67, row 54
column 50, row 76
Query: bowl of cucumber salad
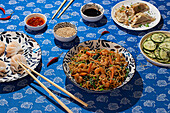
column 155, row 47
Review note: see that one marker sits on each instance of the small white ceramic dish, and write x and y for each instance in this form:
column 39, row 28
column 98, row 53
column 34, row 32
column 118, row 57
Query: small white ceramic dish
column 62, row 25
column 90, row 18
column 151, row 60
column 153, row 11
column 37, row 28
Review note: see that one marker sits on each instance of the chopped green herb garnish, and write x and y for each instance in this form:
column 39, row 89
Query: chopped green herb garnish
column 100, row 86
column 98, row 59
column 114, row 58
column 72, row 58
column 96, row 56
column 101, row 89
column 129, row 18
column 91, row 81
column 92, row 61
column 149, row 12
column 127, row 72
column 81, row 84
column 122, row 8
column 110, row 65
column 85, row 51
column 147, row 25
column 140, row 25
column 71, row 71
column 79, row 55
column 97, row 78
column 81, row 62
column 94, row 77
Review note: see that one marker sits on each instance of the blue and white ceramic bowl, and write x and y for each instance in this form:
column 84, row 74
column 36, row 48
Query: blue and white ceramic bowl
column 100, row 44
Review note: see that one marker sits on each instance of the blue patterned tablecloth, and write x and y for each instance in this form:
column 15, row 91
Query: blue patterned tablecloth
column 147, row 92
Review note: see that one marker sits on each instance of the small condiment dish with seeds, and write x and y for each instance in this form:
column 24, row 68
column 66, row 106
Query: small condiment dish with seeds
column 65, row 31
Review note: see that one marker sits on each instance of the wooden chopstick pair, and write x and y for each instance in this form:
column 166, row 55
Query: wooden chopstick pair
column 63, row 9
column 43, row 86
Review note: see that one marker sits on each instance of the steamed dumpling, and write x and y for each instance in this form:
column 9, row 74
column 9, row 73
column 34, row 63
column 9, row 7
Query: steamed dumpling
column 141, row 19
column 13, row 48
column 123, row 14
column 2, row 66
column 120, row 14
column 14, row 64
column 140, row 7
column 2, row 47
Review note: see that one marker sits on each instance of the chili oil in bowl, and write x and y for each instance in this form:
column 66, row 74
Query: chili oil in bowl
column 92, row 12
column 65, row 31
column 35, row 21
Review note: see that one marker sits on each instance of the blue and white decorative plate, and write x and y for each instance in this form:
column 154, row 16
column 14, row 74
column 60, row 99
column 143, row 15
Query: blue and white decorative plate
column 31, row 51
column 100, row 44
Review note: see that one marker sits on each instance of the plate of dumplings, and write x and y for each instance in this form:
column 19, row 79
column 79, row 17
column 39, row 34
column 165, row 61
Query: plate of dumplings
column 16, row 46
column 136, row 15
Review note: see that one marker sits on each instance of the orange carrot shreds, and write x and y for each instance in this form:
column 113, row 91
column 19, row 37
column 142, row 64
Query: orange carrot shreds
column 88, row 53
column 90, row 67
column 83, row 74
column 113, row 72
column 110, row 60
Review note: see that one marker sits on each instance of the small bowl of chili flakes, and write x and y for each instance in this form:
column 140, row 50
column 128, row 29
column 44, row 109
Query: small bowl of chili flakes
column 35, row 21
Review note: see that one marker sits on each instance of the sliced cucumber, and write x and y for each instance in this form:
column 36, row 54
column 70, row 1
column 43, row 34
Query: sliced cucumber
column 163, row 54
column 152, row 55
column 164, row 35
column 157, row 46
column 163, row 60
column 149, row 45
column 156, row 52
column 168, row 62
column 149, row 38
column 167, row 40
column 157, row 37
column 146, row 51
column 165, row 45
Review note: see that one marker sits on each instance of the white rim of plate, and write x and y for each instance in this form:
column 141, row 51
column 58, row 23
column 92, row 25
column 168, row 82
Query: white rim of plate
column 128, row 3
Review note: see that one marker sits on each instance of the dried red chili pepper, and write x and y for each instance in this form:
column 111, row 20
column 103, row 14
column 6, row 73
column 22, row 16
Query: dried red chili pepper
column 55, row 59
column 2, row 9
column 104, row 32
column 7, row 18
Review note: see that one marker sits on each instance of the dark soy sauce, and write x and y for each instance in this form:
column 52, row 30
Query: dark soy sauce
column 91, row 12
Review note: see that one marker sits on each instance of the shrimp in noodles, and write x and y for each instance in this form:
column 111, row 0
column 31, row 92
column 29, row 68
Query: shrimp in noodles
column 98, row 69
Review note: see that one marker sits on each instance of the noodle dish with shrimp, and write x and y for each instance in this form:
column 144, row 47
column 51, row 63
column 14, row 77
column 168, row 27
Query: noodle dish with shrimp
column 98, row 69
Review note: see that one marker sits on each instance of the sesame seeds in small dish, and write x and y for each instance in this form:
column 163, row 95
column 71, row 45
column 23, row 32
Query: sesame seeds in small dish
column 65, row 31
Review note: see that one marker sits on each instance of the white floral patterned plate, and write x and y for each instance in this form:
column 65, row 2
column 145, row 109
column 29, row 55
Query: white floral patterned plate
column 31, row 51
